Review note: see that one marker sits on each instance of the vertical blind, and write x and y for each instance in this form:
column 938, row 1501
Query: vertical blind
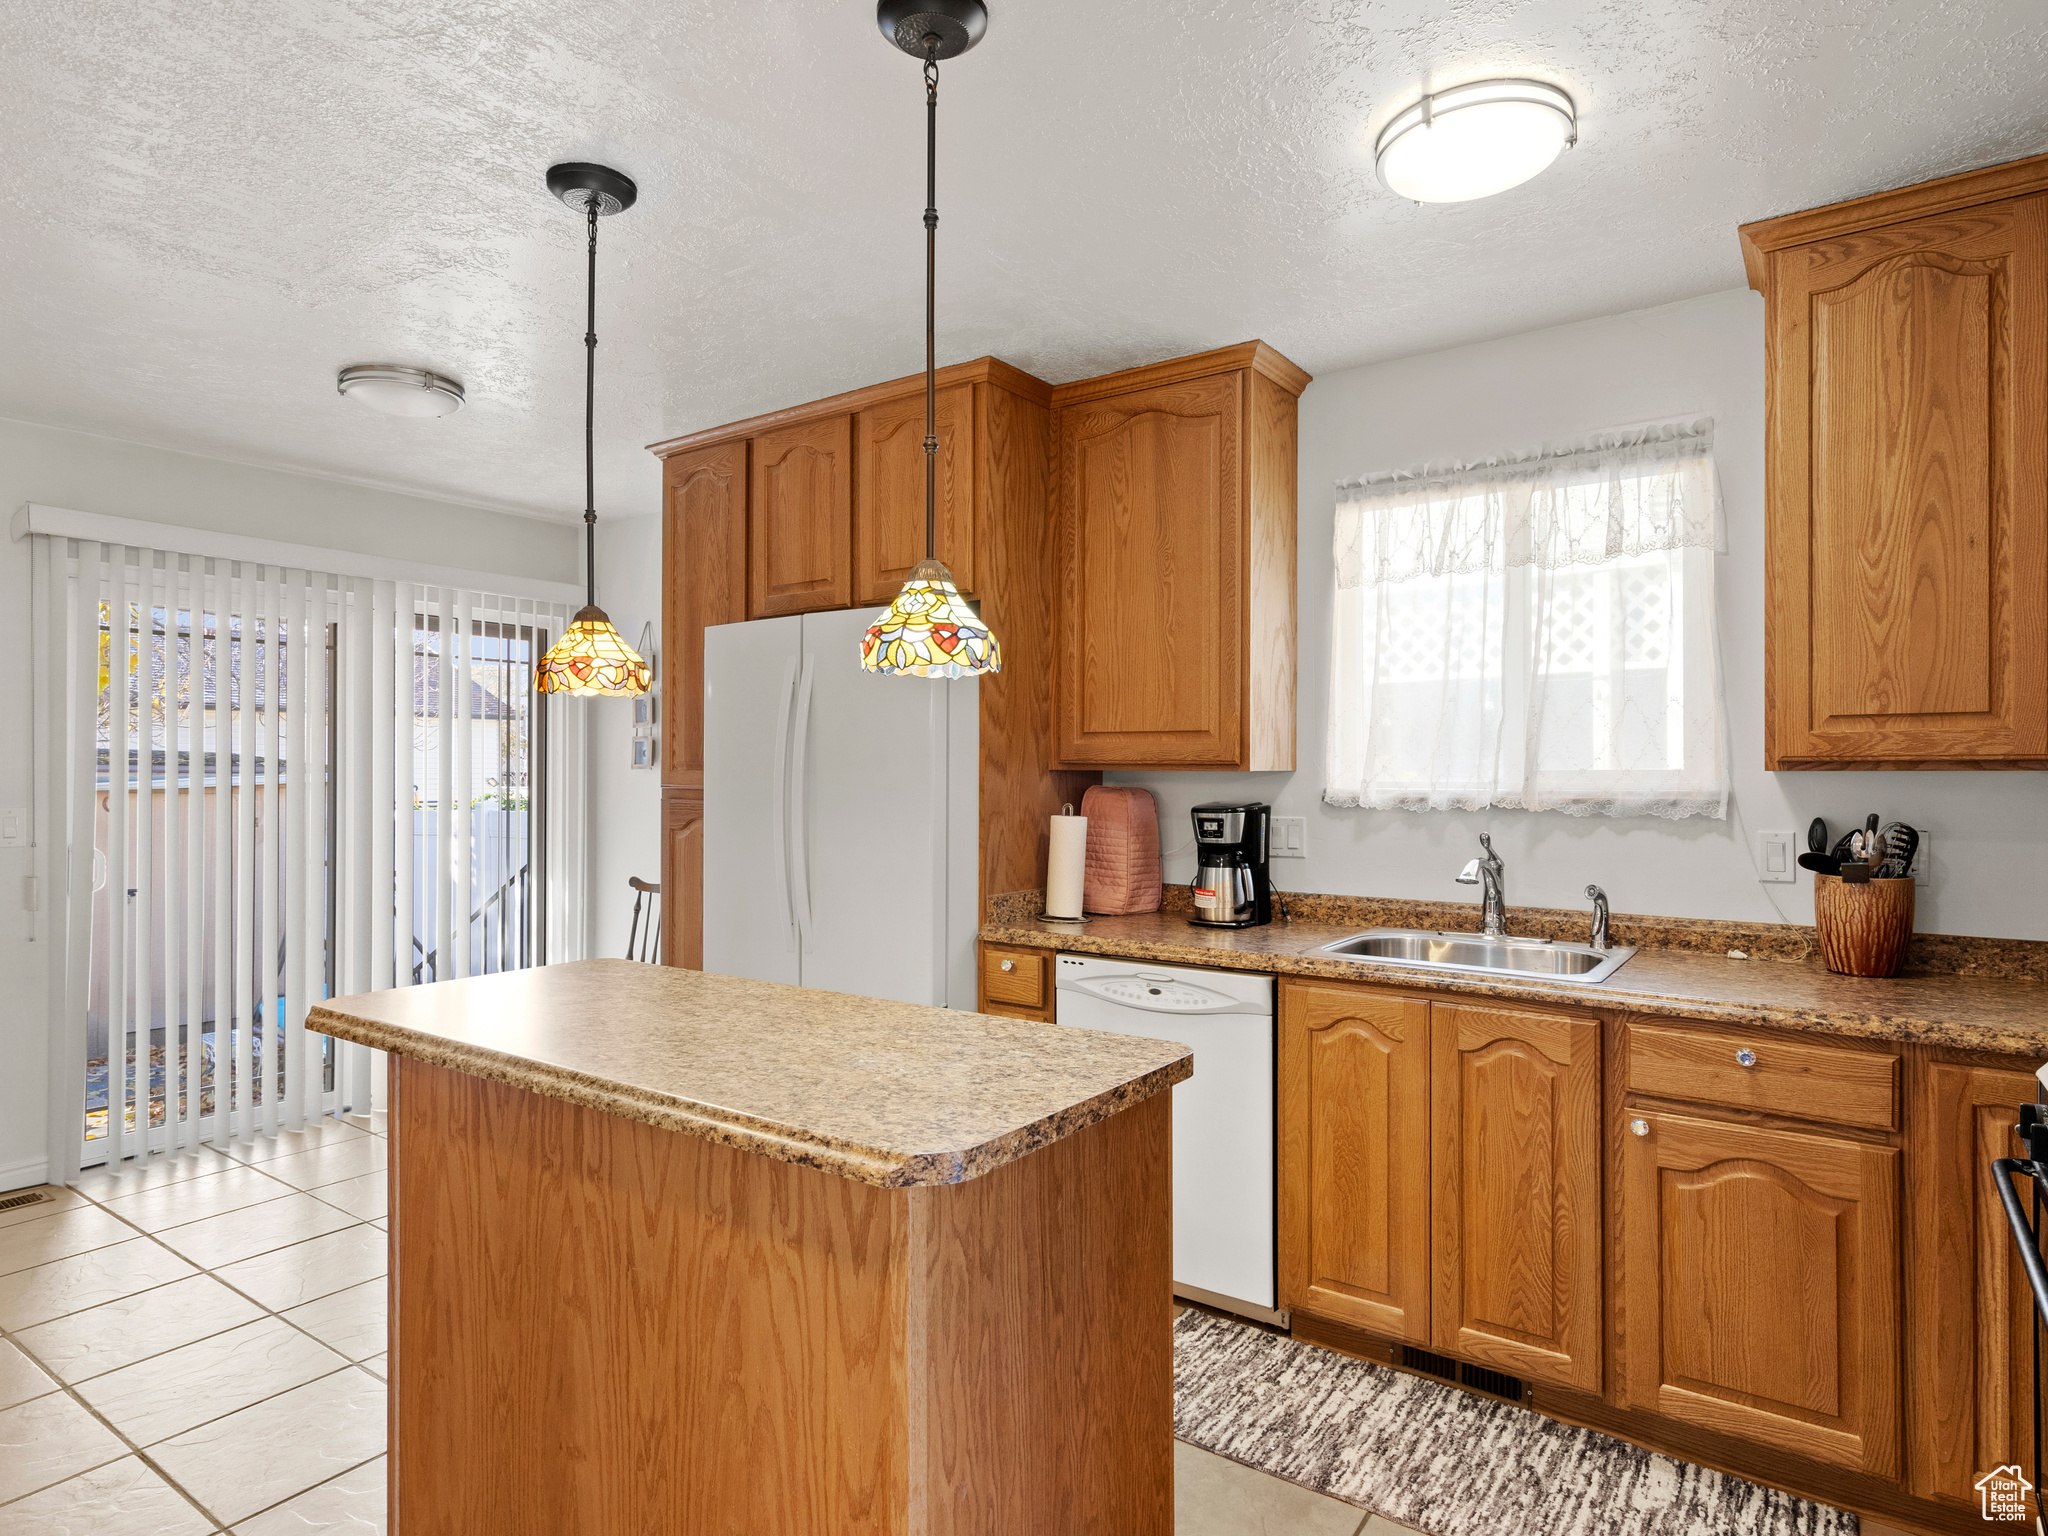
column 264, row 783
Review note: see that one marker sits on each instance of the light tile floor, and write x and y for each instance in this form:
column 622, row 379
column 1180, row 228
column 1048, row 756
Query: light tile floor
column 199, row 1348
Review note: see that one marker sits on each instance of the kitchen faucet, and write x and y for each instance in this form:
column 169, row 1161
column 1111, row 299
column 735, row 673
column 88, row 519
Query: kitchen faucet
column 1599, row 939
column 1493, row 899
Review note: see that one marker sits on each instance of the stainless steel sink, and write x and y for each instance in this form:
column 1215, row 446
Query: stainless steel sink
column 1476, row 954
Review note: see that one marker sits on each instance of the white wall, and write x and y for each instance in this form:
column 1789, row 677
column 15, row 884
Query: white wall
column 98, row 474
column 625, row 802
column 1703, row 357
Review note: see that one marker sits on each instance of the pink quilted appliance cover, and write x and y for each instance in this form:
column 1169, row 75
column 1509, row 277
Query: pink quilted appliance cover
column 1123, row 850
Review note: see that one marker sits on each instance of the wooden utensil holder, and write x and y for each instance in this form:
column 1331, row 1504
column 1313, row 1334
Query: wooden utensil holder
column 1864, row 928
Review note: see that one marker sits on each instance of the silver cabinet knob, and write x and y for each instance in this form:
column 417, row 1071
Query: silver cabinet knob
column 1745, row 1057
column 1640, row 1127
column 1011, row 965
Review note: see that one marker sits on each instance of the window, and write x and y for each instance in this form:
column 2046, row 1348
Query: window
column 1534, row 633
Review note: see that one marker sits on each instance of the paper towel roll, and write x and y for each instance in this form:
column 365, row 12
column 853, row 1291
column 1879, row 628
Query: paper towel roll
column 1066, row 865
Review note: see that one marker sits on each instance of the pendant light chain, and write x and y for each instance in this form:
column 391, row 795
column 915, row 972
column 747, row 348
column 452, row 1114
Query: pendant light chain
column 589, row 415
column 931, row 256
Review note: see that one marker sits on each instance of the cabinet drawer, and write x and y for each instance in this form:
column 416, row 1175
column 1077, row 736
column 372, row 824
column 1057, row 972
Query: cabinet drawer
column 1780, row 1076
column 1015, row 976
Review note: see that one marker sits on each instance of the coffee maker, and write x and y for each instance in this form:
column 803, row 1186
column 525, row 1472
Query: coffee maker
column 1233, row 885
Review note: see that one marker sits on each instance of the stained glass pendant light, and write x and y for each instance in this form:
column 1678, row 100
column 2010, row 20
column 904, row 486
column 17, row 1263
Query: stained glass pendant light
column 930, row 631
column 592, row 658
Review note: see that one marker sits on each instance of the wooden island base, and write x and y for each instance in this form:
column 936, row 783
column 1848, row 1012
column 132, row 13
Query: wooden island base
column 599, row 1326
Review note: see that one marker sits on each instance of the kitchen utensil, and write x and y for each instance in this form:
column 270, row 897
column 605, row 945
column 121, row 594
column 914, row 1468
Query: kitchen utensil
column 1845, row 846
column 1820, row 863
column 1817, row 836
column 1864, row 930
column 1854, row 872
column 1897, row 844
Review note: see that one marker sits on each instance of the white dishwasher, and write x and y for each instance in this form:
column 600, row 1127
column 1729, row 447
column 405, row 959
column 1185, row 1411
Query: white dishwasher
column 1223, row 1147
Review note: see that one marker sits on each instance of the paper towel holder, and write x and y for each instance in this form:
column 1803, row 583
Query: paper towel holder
column 1044, row 916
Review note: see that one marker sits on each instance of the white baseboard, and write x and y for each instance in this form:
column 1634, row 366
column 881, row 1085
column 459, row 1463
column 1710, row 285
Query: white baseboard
column 26, row 1174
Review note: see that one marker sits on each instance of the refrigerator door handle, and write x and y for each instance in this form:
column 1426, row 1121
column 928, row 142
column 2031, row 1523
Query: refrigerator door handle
column 779, row 822
column 800, row 776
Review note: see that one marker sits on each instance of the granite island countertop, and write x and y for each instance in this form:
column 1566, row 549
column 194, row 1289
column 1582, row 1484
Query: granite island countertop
column 2006, row 1015
column 886, row 1093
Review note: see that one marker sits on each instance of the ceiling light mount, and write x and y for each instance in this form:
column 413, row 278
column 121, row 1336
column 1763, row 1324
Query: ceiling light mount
column 957, row 24
column 399, row 391
column 580, row 184
column 1474, row 140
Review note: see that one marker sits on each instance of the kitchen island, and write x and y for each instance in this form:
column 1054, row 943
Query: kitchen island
column 683, row 1252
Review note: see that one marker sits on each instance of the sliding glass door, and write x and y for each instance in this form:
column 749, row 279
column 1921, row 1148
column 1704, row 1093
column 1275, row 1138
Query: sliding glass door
column 479, row 835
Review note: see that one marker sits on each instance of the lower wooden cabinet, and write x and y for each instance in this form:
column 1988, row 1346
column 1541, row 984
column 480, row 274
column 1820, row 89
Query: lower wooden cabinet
column 1515, row 1191
column 1670, row 1253
column 1354, row 1157
column 1760, row 1286
column 1016, row 982
column 1969, row 1354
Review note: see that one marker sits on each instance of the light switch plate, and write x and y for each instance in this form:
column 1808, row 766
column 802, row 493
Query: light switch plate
column 1923, row 859
column 13, row 829
column 1776, row 863
column 1289, row 837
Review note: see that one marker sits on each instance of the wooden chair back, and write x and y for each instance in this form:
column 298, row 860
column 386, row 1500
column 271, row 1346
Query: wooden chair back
column 644, row 943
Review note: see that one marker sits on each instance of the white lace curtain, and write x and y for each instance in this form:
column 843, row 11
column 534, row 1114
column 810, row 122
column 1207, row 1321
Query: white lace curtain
column 1535, row 633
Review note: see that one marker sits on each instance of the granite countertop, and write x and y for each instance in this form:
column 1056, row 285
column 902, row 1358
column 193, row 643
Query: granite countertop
column 2004, row 1014
column 892, row 1094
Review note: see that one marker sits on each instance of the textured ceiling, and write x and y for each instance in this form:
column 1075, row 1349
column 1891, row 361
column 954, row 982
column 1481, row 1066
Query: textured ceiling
column 211, row 205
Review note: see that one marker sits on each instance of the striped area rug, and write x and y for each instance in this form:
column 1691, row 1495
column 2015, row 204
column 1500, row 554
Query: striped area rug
column 1443, row 1460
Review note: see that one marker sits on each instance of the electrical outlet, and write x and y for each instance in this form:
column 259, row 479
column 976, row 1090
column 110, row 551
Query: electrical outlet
column 1289, row 837
column 1776, row 863
column 1923, row 859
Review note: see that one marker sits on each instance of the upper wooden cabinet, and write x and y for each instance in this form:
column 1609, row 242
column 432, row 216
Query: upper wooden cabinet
column 888, row 519
column 1907, row 479
column 800, row 550
column 821, row 506
column 704, row 582
column 1174, row 590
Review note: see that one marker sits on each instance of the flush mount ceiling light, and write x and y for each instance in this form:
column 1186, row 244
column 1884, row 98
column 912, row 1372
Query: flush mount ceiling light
column 399, row 391
column 1475, row 140
column 930, row 631
column 592, row 657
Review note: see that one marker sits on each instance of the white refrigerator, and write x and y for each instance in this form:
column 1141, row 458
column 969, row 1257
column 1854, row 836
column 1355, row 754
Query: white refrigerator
column 841, row 814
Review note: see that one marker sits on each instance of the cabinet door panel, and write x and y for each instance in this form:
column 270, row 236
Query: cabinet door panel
column 1516, row 1191
column 888, row 517
column 704, row 562
column 1969, row 1360
column 1909, row 492
column 1354, row 1176
column 801, row 532
column 1151, row 594
column 1762, row 1287
column 682, row 877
